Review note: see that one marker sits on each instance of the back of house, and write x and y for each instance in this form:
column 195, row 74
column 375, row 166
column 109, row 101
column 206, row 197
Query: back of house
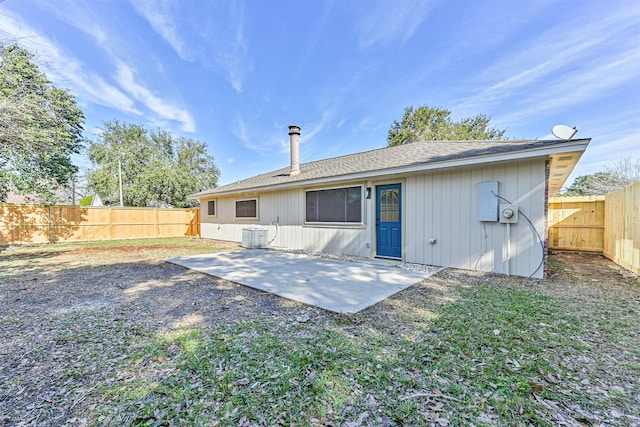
column 477, row 205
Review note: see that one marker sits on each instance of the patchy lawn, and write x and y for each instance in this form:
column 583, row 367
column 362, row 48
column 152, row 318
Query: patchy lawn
column 109, row 334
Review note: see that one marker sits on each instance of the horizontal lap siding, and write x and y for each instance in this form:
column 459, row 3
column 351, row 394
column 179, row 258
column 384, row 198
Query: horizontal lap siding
column 444, row 205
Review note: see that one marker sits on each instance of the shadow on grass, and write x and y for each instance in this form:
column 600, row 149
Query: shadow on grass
column 149, row 343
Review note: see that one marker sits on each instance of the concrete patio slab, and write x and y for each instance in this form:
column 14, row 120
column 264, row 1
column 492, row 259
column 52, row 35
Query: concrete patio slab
column 342, row 286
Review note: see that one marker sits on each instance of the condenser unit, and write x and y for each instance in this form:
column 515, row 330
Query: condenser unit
column 254, row 237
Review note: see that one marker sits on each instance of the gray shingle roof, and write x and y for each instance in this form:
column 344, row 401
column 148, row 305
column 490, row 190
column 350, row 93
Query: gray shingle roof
column 377, row 161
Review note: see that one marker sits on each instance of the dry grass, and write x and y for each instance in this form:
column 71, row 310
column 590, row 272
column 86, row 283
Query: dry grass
column 109, row 334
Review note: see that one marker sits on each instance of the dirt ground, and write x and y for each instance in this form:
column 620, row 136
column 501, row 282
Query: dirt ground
column 50, row 298
column 55, row 303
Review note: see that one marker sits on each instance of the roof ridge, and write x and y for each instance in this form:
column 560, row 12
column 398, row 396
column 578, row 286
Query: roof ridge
column 398, row 156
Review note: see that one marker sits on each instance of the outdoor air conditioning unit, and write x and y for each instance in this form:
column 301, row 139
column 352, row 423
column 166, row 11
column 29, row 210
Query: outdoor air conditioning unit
column 254, row 237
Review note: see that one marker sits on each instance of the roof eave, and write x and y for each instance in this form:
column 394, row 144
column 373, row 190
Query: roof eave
column 577, row 146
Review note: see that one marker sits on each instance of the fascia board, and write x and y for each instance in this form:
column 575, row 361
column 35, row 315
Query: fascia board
column 567, row 147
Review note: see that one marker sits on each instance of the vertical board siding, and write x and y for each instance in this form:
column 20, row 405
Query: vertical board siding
column 437, row 204
column 444, row 219
column 577, row 223
column 465, row 216
column 622, row 227
column 477, row 240
column 440, row 204
column 24, row 224
column 415, row 237
column 525, row 253
column 287, row 207
column 450, row 213
column 499, row 231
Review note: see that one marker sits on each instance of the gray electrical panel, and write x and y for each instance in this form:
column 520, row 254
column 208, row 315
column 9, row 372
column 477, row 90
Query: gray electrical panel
column 488, row 201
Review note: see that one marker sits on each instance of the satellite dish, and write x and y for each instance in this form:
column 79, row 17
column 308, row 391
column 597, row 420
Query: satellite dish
column 564, row 132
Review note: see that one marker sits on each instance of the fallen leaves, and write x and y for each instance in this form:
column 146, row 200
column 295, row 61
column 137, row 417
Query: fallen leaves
column 74, row 345
column 436, row 393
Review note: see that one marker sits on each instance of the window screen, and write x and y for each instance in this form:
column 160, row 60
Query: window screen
column 335, row 205
column 247, row 208
column 211, row 207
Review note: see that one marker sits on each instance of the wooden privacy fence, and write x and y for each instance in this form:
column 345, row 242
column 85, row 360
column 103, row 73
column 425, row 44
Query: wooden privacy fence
column 622, row 227
column 606, row 224
column 576, row 223
column 20, row 224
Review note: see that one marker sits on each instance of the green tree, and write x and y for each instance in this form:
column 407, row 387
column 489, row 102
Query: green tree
column 157, row 167
column 40, row 128
column 616, row 175
column 435, row 124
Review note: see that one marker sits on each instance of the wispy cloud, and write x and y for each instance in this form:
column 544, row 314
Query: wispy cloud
column 611, row 141
column 556, row 65
column 161, row 16
column 80, row 16
column 614, row 139
column 233, row 52
column 275, row 140
column 592, row 83
column 65, row 70
column 602, row 152
column 163, row 108
column 390, row 22
column 249, row 140
column 317, row 127
column 91, row 88
column 216, row 32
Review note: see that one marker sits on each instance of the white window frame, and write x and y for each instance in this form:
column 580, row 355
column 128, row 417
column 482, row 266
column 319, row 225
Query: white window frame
column 363, row 203
column 245, row 218
column 215, row 208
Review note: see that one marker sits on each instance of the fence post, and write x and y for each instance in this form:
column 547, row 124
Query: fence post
column 110, row 223
column 192, row 221
column 187, row 221
column 52, row 232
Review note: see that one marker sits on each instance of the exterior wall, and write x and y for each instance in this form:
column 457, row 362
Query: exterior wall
column 287, row 207
column 444, row 205
column 441, row 204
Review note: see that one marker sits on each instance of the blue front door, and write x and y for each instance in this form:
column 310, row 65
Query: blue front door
column 388, row 221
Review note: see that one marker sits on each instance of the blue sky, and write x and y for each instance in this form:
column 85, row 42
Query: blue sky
column 235, row 74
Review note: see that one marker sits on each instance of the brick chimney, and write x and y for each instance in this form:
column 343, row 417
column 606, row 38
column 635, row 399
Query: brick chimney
column 294, row 138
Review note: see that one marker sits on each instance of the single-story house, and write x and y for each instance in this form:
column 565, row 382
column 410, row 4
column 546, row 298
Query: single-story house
column 477, row 205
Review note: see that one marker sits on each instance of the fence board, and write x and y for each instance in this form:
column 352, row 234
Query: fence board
column 622, row 227
column 21, row 224
column 27, row 223
column 577, row 223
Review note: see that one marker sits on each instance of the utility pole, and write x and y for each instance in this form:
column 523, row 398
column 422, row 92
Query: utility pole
column 120, row 179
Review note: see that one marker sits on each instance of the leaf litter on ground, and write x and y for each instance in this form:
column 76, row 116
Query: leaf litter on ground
column 98, row 335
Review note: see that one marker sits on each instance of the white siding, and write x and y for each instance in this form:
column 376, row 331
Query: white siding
column 442, row 204
column 287, row 207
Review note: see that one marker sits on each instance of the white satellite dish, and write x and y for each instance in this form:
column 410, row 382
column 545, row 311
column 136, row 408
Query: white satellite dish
column 564, row 132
